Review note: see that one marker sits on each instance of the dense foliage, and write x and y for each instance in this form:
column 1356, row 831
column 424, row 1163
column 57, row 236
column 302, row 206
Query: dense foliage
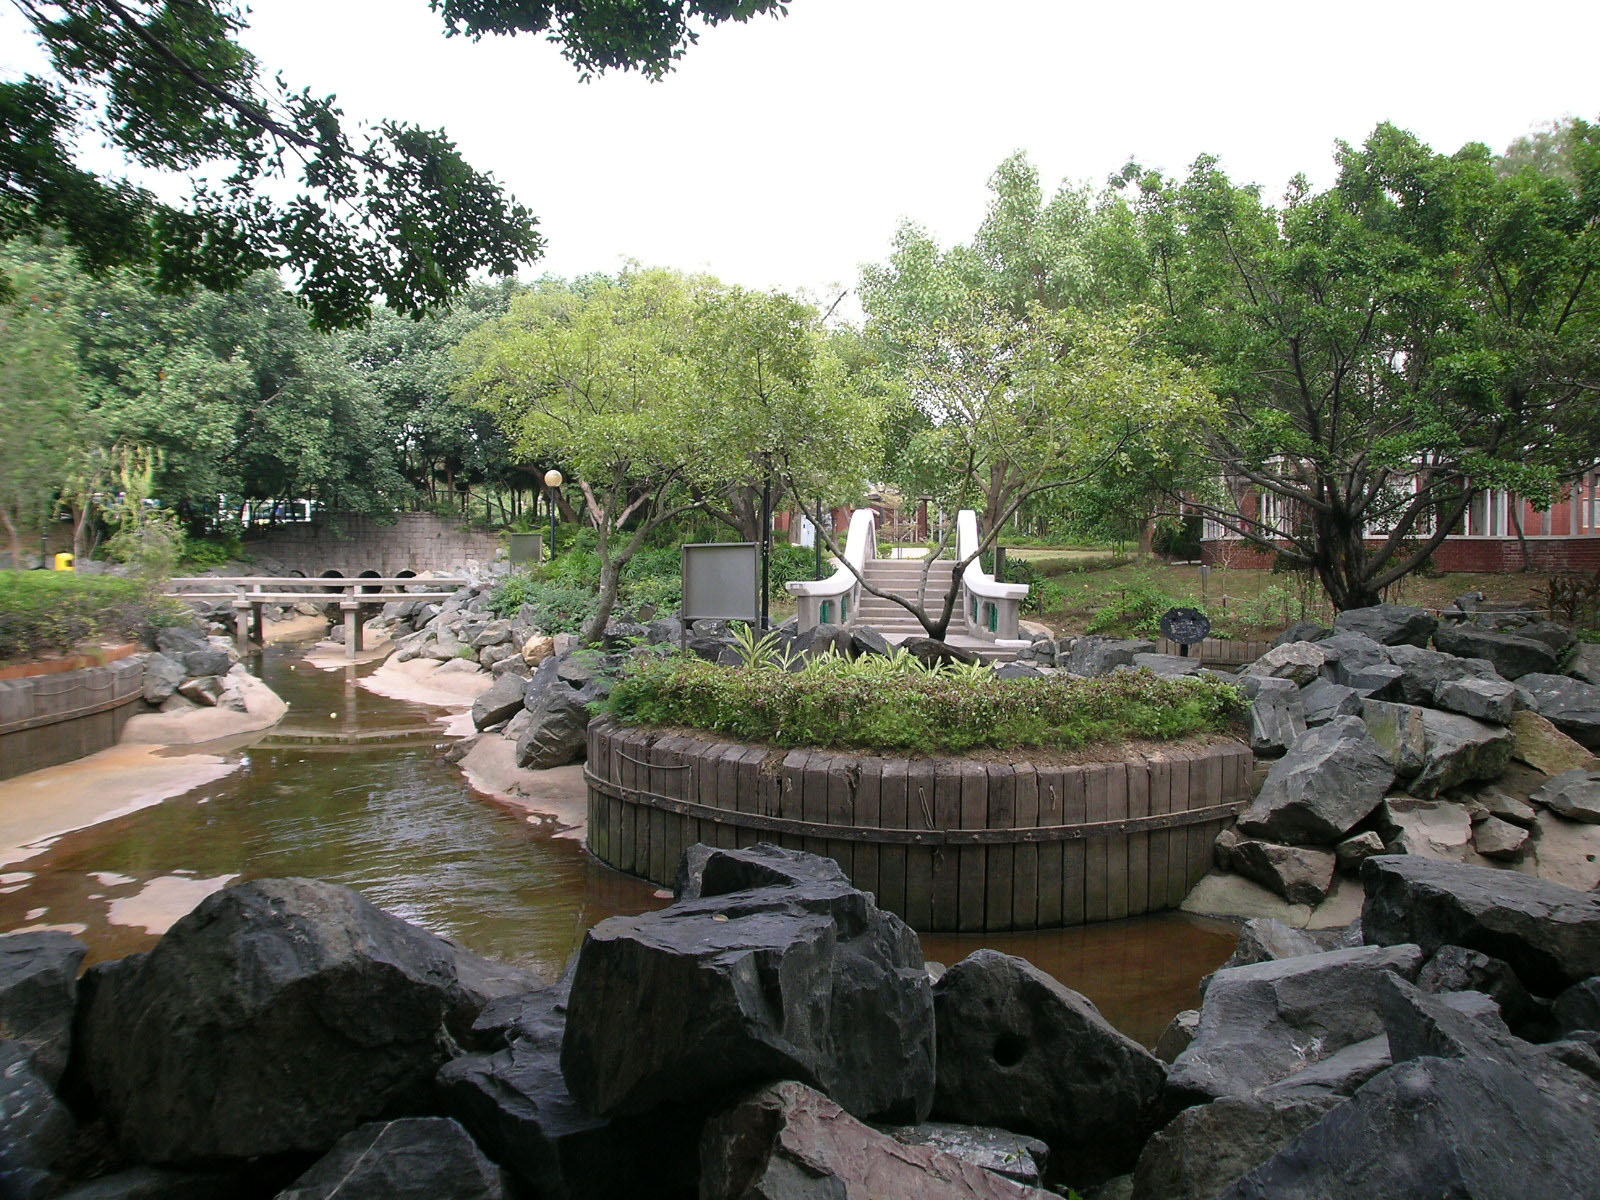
column 877, row 704
column 52, row 611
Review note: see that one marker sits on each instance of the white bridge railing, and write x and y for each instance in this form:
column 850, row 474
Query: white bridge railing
column 991, row 609
column 836, row 599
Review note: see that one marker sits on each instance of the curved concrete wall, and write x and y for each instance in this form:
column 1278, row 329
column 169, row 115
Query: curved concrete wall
column 948, row 844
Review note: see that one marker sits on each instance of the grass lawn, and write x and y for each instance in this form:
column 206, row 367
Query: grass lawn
column 1241, row 604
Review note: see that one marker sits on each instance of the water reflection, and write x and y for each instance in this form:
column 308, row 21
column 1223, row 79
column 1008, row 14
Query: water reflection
column 352, row 788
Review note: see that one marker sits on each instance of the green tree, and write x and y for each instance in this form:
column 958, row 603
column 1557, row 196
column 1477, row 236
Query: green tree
column 392, row 211
column 42, row 415
column 1385, row 349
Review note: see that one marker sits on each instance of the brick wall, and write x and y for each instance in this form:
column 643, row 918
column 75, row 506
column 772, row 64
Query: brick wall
column 351, row 544
column 1483, row 555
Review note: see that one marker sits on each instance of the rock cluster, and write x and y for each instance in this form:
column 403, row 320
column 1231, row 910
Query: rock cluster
column 774, row 1033
column 189, row 669
column 1469, row 751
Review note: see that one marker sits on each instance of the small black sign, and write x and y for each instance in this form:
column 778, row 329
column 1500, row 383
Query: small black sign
column 1186, row 626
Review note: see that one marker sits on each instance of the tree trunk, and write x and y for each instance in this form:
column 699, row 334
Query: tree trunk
column 16, row 541
column 610, row 579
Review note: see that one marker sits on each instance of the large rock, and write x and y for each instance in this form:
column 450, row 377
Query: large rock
column 1435, row 750
column 1323, row 700
column 36, row 1131
column 1349, row 658
column 1014, row 1156
column 1019, row 1050
column 516, row 1104
column 1096, row 655
column 500, row 703
column 162, row 675
column 1548, row 934
column 931, row 652
column 166, row 1183
column 1512, row 656
column 1421, row 1024
column 1494, row 838
column 1445, row 1127
column 1263, row 939
column 816, row 983
column 1492, row 700
column 1457, row 969
column 788, row 1142
column 1277, row 714
column 276, row 1016
column 1299, row 875
column 557, row 730
column 1263, row 1023
column 1570, row 704
column 1427, row 828
column 1208, row 1147
column 1298, row 662
column 415, row 1158
column 213, row 660
column 1426, row 671
column 705, row 871
column 1545, row 748
column 1574, row 795
column 1578, row 1007
column 1388, row 624
column 1330, row 779
column 38, row 988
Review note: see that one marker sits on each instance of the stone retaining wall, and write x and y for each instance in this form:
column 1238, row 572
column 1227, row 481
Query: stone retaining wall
column 50, row 719
column 948, row 844
column 351, row 543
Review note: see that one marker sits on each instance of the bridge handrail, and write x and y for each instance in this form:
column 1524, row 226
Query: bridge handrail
column 839, row 595
column 991, row 610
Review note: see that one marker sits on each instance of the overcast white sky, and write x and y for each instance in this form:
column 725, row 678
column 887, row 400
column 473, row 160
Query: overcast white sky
column 784, row 152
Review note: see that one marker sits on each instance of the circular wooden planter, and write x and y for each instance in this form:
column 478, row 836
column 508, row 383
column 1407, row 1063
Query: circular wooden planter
column 951, row 845
column 54, row 718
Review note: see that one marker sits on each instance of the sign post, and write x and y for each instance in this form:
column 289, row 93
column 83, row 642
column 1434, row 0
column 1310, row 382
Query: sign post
column 1186, row 626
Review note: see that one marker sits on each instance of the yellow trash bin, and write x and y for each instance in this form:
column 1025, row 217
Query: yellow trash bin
column 64, row 562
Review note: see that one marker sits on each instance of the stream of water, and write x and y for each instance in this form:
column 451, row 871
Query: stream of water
column 353, row 788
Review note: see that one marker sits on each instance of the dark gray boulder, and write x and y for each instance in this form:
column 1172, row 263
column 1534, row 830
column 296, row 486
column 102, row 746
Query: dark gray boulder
column 664, row 631
column 1548, row 934
column 175, row 641
column 344, row 1008
column 1512, row 656
column 557, row 730
column 1263, row 1023
column 1574, row 795
column 711, row 649
column 413, row 1158
column 814, row 982
column 1560, row 638
column 822, row 640
column 1298, row 874
column 1277, row 714
column 1168, row 666
column 1433, row 751
column 1571, row 705
column 38, row 989
column 622, row 635
column 1012, row 1156
column 1388, row 624
column 1452, row 1025
column 1096, row 655
column 865, row 641
column 36, row 1130
column 1266, row 940
column 213, row 660
column 931, row 652
column 1492, row 700
column 1335, row 1078
column 1323, row 700
column 1019, row 1050
column 1301, row 631
column 1457, row 969
column 1332, row 777
column 1298, row 662
column 165, row 1183
column 1347, row 655
column 1435, row 1127
column 162, row 675
column 1017, row 670
column 500, row 703
column 1208, row 1147
column 1578, row 1007
column 706, row 871
column 789, row 1142
column 1175, row 1038
column 1426, row 671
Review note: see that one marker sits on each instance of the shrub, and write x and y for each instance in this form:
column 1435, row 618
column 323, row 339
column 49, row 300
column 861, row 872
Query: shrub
column 1136, row 609
column 553, row 607
column 874, row 703
column 202, row 554
column 52, row 611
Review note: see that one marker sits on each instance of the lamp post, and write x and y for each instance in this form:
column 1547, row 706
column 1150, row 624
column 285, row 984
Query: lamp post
column 552, row 480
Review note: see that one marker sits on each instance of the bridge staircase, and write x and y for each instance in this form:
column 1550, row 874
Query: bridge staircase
column 984, row 619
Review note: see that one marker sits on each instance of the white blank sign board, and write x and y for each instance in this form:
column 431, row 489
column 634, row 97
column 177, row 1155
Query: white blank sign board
column 719, row 580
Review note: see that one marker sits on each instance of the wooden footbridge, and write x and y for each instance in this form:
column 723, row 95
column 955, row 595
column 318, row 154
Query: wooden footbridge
column 249, row 594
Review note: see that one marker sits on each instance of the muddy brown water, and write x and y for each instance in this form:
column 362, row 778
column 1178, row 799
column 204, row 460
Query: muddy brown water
column 353, row 788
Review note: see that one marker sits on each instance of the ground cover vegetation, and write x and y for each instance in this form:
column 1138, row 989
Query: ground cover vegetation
column 878, row 703
column 51, row 612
